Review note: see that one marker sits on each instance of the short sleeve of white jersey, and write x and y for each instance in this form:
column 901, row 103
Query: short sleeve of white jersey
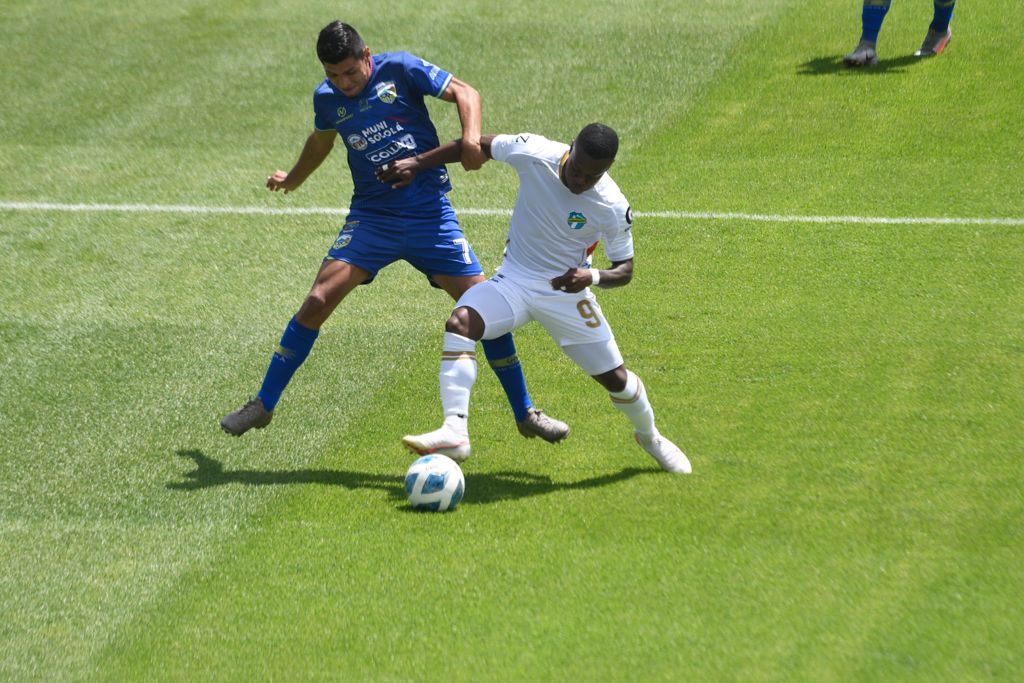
column 512, row 148
column 618, row 246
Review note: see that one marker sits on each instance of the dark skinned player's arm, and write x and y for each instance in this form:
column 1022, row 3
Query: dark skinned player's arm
column 577, row 279
column 401, row 172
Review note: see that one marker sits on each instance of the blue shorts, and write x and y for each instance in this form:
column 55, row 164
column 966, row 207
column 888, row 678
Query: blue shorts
column 430, row 239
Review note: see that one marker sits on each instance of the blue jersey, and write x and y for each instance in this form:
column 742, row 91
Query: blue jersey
column 387, row 121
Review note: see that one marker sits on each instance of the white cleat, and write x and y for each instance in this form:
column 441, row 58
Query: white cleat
column 666, row 453
column 445, row 441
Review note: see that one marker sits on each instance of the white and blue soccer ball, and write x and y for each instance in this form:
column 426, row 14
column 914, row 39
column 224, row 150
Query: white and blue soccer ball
column 434, row 483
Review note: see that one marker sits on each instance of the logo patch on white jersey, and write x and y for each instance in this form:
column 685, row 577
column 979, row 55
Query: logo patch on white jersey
column 577, row 221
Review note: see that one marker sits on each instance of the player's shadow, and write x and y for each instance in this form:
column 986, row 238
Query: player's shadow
column 210, row 473
column 482, row 488
column 832, row 64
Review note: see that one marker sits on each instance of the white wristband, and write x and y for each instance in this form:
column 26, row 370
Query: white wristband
column 595, row 275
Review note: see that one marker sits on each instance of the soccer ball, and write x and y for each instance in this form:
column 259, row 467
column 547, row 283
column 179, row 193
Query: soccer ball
column 435, row 483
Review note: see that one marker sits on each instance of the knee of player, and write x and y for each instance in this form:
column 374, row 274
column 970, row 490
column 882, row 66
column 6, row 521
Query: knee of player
column 457, row 324
column 316, row 301
column 614, row 380
column 465, row 322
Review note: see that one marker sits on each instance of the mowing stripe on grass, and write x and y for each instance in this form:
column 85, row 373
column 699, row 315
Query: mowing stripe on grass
column 675, row 215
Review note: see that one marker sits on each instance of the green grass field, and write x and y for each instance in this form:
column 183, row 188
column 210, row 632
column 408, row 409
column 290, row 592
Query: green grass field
column 850, row 392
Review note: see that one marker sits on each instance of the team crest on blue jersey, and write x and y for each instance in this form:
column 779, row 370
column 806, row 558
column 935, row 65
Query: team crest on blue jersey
column 356, row 142
column 387, row 92
column 577, row 220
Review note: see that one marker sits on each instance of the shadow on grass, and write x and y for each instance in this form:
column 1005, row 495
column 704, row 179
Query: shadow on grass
column 831, row 64
column 484, row 487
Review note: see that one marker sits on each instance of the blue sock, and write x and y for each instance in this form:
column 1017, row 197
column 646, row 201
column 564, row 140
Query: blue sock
column 501, row 355
column 295, row 345
column 871, row 18
column 943, row 13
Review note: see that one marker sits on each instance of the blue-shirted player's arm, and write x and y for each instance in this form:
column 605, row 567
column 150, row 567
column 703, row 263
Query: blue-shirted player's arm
column 318, row 146
column 401, row 172
column 467, row 99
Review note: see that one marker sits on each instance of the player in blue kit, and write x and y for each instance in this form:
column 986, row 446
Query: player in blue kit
column 873, row 14
column 375, row 104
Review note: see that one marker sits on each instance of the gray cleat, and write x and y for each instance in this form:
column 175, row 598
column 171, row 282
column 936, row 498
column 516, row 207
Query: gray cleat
column 934, row 43
column 539, row 424
column 252, row 414
column 862, row 55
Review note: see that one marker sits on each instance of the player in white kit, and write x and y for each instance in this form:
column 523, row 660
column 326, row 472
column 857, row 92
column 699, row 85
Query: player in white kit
column 566, row 204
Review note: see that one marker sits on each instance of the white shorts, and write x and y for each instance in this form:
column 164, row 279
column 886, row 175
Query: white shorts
column 574, row 321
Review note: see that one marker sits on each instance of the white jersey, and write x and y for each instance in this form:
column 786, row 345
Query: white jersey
column 553, row 229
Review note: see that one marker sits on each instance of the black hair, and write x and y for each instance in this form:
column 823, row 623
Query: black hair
column 337, row 42
column 598, row 141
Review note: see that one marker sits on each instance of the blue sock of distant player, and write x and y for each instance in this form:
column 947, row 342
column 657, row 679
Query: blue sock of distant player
column 871, row 18
column 501, row 354
column 943, row 13
column 295, row 345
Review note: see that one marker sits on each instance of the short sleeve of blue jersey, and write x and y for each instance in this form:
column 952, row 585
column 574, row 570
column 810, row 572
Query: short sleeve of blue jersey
column 425, row 78
column 320, row 120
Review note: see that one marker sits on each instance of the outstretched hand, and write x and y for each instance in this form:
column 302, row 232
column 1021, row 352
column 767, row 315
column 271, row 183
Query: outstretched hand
column 279, row 181
column 398, row 173
column 572, row 281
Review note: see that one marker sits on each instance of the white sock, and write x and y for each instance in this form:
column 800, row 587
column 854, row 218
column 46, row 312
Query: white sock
column 633, row 402
column 458, row 373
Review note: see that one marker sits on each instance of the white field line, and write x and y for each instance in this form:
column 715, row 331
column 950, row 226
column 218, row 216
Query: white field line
column 671, row 215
